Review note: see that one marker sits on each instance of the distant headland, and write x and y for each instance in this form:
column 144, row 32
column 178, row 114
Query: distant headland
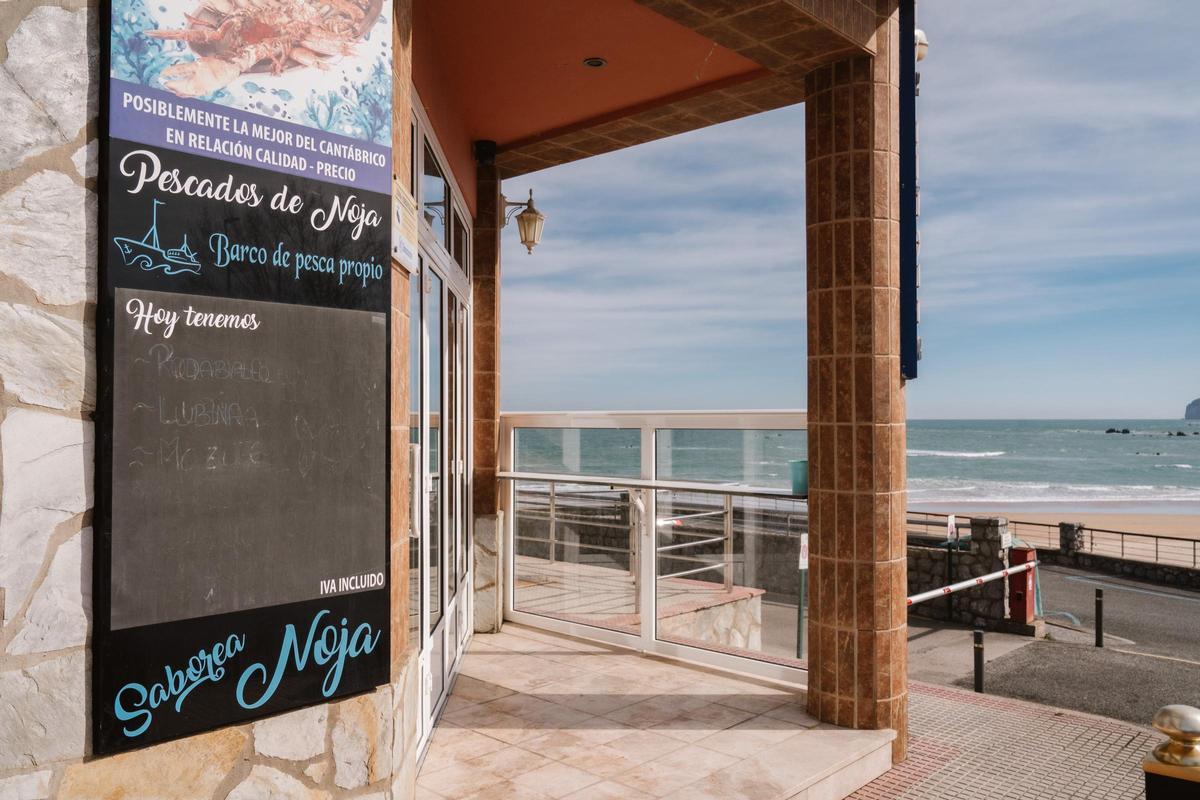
column 1193, row 410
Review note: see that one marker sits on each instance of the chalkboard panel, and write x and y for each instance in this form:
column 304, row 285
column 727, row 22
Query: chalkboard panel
column 249, row 464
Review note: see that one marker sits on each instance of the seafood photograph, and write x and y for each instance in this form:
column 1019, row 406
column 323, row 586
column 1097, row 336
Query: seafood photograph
column 319, row 63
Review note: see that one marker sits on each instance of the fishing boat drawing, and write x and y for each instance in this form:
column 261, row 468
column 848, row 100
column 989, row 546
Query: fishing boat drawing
column 148, row 254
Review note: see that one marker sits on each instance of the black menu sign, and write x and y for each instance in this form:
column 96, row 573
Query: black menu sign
column 241, row 561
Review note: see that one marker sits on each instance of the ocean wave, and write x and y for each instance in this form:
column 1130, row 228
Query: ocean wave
column 943, row 490
column 1173, row 466
column 957, row 454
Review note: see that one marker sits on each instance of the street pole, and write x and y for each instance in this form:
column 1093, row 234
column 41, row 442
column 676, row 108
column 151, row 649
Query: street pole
column 979, row 660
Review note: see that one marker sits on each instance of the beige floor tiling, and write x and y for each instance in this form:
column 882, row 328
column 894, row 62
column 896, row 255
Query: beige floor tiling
column 609, row 790
column 645, row 745
column 536, row 716
column 553, row 780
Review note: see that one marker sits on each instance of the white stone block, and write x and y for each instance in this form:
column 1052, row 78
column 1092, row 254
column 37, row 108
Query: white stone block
column 46, row 359
column 49, row 241
column 49, row 56
column 317, row 772
column 86, row 159
column 57, row 617
column 42, row 712
column 47, row 479
column 27, row 130
column 362, row 740
column 297, row 736
column 268, row 783
column 31, row 786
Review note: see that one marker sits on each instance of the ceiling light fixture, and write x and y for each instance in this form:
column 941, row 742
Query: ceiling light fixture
column 595, row 62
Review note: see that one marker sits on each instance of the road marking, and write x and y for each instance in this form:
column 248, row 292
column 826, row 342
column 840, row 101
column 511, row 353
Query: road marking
column 1155, row 655
column 1122, row 588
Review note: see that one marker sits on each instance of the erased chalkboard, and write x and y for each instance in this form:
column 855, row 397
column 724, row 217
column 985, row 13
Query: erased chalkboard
column 249, row 461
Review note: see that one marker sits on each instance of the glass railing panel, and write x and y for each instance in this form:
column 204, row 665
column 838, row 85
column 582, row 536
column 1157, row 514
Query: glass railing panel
column 575, row 553
column 609, row 452
column 751, row 457
column 727, row 573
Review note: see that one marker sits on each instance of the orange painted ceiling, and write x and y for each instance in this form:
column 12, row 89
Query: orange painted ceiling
column 512, row 71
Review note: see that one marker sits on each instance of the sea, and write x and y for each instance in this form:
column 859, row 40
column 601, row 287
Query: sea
column 1047, row 465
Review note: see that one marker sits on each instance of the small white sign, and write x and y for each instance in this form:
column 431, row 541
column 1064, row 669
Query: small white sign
column 1006, row 540
column 951, row 527
column 804, row 551
column 404, row 250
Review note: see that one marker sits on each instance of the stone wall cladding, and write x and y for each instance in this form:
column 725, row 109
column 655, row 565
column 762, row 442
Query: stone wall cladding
column 364, row 747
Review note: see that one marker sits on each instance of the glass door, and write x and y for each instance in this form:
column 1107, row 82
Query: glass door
column 438, row 327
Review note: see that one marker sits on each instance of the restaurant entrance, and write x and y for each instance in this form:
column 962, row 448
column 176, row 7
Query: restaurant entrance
column 439, row 548
column 439, row 429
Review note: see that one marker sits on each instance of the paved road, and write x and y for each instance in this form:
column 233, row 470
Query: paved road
column 1154, row 619
column 1151, row 656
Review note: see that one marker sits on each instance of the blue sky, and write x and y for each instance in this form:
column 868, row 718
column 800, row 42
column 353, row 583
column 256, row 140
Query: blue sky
column 1060, row 228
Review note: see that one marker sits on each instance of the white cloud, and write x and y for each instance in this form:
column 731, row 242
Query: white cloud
column 1060, row 179
column 661, row 268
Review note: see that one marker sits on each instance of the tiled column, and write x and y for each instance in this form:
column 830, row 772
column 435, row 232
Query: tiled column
column 857, row 655
column 402, row 193
column 485, row 325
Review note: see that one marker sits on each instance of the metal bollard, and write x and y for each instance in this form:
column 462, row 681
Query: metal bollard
column 979, row 660
column 1099, row 618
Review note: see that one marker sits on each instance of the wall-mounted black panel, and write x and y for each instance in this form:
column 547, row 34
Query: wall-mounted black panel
column 241, row 559
column 910, row 342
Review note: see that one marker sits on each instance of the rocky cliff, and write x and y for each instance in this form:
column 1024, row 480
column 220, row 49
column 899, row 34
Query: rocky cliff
column 1193, row 410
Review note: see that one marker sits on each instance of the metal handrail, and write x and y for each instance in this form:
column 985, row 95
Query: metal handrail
column 1168, row 550
column 669, row 547
column 737, row 490
column 683, row 517
column 717, row 565
column 547, row 512
column 580, row 545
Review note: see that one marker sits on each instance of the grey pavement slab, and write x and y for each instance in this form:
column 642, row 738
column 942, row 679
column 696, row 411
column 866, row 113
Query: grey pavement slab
column 967, row 746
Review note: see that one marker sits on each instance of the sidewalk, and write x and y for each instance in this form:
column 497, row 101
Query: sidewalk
column 967, row 746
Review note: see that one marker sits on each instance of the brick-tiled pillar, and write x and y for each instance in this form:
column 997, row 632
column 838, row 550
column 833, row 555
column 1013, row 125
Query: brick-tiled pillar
column 485, row 326
column 857, row 655
column 401, row 518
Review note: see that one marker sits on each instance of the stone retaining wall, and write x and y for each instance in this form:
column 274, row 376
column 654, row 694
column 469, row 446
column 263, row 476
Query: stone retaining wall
column 1165, row 574
column 363, row 747
column 727, row 620
column 982, row 607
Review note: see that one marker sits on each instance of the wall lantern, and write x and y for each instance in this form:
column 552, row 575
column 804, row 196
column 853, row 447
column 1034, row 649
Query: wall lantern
column 921, row 42
column 529, row 221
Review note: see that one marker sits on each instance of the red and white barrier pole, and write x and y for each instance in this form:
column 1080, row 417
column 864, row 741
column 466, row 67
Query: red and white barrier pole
column 968, row 584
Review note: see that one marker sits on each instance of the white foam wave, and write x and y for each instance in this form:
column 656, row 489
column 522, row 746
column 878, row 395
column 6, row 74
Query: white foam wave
column 957, row 453
column 1173, row 466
